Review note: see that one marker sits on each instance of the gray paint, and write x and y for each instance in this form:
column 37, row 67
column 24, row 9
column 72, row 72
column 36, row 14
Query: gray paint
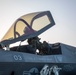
column 68, row 56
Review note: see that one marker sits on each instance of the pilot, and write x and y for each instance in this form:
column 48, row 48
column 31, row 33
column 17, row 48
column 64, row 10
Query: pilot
column 44, row 48
column 34, row 43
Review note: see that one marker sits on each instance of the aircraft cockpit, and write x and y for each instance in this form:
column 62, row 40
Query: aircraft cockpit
column 29, row 27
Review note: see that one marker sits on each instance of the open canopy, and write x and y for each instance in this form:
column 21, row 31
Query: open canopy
column 28, row 26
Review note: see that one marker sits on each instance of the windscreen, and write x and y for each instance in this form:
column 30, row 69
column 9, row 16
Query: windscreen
column 29, row 24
